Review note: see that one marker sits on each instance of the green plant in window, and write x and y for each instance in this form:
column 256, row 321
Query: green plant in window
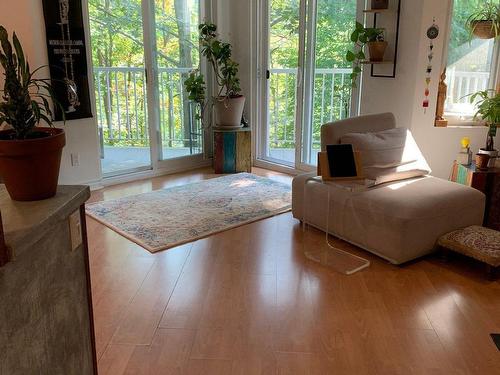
column 488, row 109
column 196, row 88
column 361, row 36
column 485, row 21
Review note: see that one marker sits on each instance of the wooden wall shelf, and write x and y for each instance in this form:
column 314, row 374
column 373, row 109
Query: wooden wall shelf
column 377, row 11
column 368, row 62
column 388, row 19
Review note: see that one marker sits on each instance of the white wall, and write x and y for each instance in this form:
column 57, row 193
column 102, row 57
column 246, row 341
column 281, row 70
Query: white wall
column 25, row 17
column 234, row 21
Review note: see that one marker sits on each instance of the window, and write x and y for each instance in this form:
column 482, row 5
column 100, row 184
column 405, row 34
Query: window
column 308, row 80
column 472, row 65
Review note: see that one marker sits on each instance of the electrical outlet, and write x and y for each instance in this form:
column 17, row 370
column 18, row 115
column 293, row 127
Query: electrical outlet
column 75, row 160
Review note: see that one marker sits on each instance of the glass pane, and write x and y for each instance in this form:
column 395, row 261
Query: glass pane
column 282, row 83
column 469, row 62
column 120, row 85
column 331, row 97
column 177, row 54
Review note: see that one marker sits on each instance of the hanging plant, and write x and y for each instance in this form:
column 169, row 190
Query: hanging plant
column 362, row 36
column 485, row 22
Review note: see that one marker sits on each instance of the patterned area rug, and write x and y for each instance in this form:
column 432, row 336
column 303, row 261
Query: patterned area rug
column 169, row 217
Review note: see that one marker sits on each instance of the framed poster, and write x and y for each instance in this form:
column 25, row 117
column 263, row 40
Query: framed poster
column 67, row 57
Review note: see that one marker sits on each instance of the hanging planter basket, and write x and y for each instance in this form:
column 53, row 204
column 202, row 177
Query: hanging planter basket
column 483, row 29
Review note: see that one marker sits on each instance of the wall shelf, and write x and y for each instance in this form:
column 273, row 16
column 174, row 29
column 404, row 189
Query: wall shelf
column 389, row 20
column 377, row 11
column 368, row 62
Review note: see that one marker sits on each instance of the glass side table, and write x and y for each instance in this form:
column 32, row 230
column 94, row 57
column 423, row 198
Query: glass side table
column 328, row 254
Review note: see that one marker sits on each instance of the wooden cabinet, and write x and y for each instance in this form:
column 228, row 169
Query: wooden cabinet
column 232, row 150
column 487, row 182
column 46, row 324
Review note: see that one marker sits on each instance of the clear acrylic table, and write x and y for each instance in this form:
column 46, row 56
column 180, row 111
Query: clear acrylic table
column 328, row 254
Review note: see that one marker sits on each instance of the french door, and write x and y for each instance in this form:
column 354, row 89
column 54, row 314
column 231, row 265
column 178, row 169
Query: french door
column 142, row 51
column 307, row 81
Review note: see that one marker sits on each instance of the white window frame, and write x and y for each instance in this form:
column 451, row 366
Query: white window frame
column 306, row 61
column 466, row 120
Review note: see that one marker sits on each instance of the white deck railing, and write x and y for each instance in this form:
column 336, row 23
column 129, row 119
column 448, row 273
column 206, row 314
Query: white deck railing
column 122, row 114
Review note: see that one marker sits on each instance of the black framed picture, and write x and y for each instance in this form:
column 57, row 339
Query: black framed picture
column 67, row 57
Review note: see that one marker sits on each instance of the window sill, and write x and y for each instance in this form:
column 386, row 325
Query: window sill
column 463, row 122
column 465, row 126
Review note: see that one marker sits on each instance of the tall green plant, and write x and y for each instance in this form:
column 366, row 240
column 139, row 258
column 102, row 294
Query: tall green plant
column 25, row 98
column 488, row 109
column 218, row 55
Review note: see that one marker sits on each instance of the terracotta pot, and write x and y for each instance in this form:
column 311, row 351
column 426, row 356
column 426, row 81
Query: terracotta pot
column 493, row 154
column 482, row 161
column 30, row 167
column 380, row 4
column 377, row 50
column 483, row 29
column 229, row 111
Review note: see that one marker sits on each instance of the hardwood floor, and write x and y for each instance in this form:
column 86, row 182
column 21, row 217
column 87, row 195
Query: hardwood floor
column 246, row 301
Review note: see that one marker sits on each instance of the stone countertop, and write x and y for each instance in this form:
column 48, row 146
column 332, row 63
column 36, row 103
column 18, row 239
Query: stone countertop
column 26, row 222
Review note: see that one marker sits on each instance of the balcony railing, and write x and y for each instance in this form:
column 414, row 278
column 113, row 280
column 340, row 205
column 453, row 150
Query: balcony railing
column 122, row 104
column 332, row 101
column 460, row 84
column 122, row 107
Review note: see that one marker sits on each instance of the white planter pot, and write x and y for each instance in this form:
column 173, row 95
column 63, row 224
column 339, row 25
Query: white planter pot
column 493, row 156
column 228, row 111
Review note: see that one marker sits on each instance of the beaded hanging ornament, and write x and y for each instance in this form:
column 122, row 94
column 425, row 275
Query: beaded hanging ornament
column 432, row 33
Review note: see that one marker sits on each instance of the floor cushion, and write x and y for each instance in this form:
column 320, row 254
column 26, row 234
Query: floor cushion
column 476, row 242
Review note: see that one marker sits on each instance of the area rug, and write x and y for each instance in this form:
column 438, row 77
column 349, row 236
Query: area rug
column 169, row 217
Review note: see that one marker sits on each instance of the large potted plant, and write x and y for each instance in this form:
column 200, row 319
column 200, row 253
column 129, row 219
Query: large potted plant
column 361, row 37
column 484, row 23
column 488, row 110
column 30, row 155
column 229, row 103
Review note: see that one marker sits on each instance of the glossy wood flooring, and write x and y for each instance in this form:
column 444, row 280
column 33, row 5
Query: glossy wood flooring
column 246, row 301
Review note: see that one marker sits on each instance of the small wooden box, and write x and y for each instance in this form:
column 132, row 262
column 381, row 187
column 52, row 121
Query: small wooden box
column 232, row 150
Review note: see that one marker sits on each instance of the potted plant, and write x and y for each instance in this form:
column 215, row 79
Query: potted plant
column 30, row 155
column 488, row 109
column 229, row 103
column 374, row 39
column 484, row 23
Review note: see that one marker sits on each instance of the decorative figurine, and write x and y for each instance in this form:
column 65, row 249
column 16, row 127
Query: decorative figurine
column 441, row 99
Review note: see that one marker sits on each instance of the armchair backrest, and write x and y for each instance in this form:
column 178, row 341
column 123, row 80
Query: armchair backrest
column 333, row 131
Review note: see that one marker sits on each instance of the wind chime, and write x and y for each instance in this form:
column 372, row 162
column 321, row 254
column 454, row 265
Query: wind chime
column 432, row 33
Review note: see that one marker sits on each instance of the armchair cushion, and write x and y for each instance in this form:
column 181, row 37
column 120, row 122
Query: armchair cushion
column 389, row 155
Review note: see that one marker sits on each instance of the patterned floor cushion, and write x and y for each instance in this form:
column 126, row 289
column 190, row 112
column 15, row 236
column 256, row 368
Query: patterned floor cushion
column 477, row 242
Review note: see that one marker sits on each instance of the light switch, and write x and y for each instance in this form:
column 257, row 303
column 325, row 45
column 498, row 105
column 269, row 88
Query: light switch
column 75, row 230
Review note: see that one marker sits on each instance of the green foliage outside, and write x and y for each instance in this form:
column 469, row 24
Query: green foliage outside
column 334, row 22
column 117, row 41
